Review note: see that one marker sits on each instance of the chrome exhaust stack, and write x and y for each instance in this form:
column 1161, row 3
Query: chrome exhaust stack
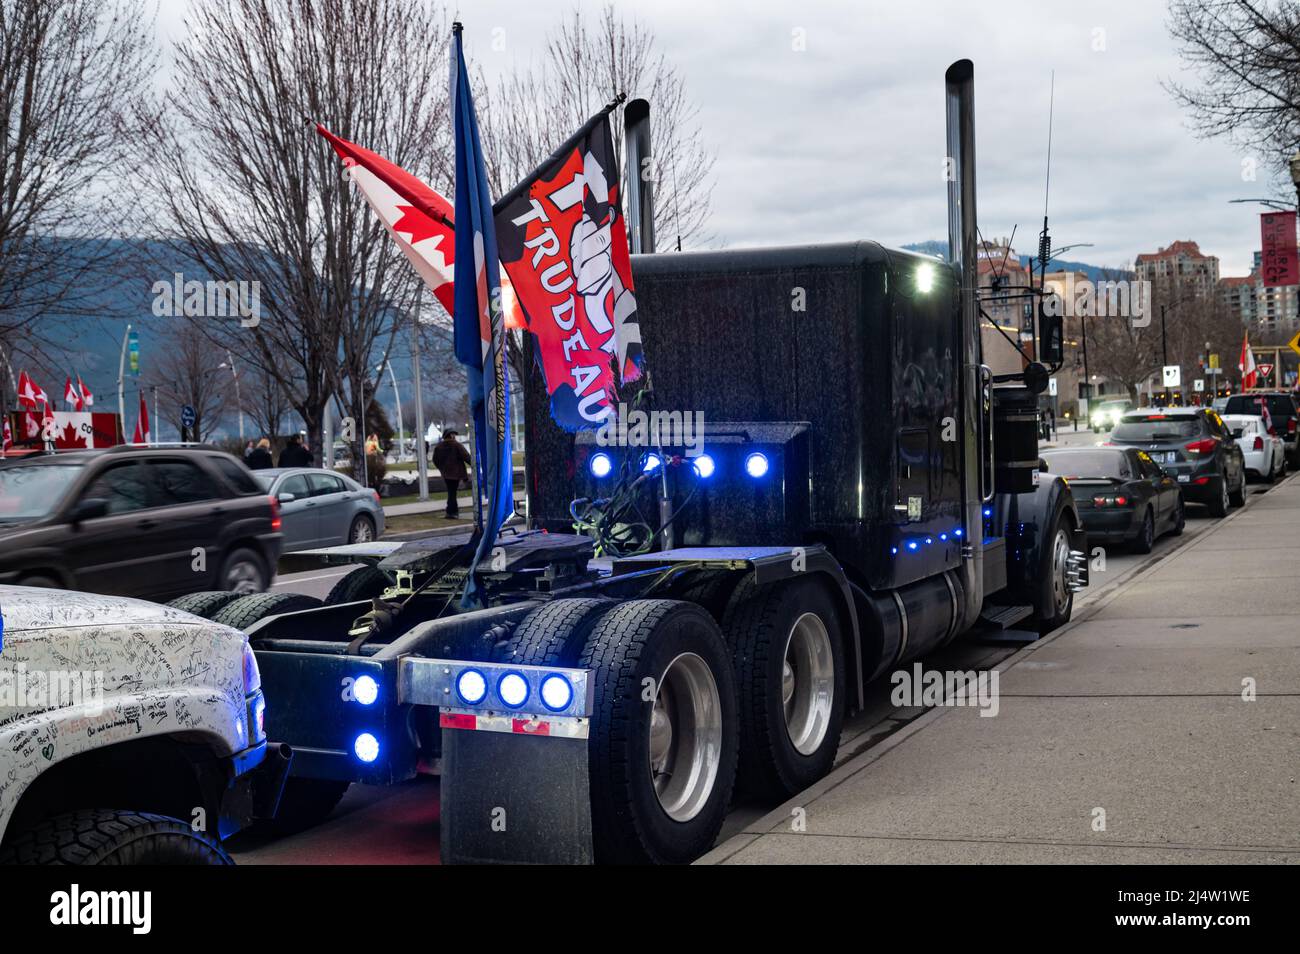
column 640, row 185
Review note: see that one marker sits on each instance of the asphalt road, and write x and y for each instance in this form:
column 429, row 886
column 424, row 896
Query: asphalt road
column 399, row 825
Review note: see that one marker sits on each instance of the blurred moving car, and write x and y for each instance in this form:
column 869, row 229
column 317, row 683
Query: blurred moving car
column 1107, row 414
column 1196, row 447
column 1123, row 496
column 1276, row 407
column 319, row 508
column 137, row 521
column 1264, row 451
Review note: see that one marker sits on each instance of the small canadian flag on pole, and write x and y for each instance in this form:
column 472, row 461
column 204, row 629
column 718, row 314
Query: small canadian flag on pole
column 72, row 396
column 142, row 423
column 29, row 394
column 1247, row 363
column 8, row 440
column 87, row 399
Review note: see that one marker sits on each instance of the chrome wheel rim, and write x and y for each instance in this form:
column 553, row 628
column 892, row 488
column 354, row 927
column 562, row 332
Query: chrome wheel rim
column 361, row 532
column 685, row 737
column 244, row 578
column 1061, row 594
column 807, row 683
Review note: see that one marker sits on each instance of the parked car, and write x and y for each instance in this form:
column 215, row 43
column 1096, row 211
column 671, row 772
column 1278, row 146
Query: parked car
column 1123, row 496
column 319, row 508
column 1107, row 414
column 1264, row 451
column 1195, row 446
column 1282, row 413
column 137, row 521
column 149, row 746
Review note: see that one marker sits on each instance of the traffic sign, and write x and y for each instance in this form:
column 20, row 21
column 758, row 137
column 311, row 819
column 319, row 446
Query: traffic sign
column 1173, row 375
column 188, row 417
column 1294, row 343
column 1265, row 370
column 1198, row 384
column 1051, row 386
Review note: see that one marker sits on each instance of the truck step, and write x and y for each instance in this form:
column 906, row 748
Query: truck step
column 1004, row 617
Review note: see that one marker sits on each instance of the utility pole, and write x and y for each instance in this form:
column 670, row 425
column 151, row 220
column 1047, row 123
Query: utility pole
column 1164, row 347
column 421, row 448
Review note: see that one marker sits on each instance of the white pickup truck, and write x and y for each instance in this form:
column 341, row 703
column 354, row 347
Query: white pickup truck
column 130, row 733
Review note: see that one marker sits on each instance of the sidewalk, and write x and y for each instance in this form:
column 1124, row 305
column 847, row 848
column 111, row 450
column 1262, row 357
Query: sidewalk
column 1135, row 708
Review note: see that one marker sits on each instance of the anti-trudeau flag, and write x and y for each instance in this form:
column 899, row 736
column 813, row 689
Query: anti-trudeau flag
column 563, row 242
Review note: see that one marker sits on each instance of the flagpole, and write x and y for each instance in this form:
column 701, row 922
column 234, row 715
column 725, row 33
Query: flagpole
column 421, row 450
column 121, row 386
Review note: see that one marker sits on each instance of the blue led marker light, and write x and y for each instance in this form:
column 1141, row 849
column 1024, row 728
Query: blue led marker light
column 513, row 689
column 365, row 690
column 704, row 466
column 652, row 463
column 556, row 692
column 756, row 465
column 600, row 465
column 471, row 686
column 366, row 747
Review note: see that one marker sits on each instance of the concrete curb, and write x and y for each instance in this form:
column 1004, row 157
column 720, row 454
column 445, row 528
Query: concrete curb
column 780, row 815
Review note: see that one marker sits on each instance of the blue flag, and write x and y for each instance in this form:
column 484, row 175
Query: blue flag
column 479, row 324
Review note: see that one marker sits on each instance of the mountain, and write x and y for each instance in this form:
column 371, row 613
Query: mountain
column 940, row 248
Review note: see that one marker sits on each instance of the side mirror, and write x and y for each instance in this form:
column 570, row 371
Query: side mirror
column 287, row 498
column 88, row 509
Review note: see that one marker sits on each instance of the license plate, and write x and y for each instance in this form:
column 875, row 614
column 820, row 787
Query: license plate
column 1184, row 478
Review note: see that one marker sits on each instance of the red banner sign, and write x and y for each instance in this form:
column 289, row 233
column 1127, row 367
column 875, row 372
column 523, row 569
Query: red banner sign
column 1278, row 265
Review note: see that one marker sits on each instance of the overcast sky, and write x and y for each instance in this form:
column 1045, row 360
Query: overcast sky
column 846, row 138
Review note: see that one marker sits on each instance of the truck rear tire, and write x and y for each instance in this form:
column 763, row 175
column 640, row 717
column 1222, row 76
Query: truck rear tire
column 104, row 837
column 247, row 610
column 554, row 633
column 787, row 655
column 664, row 733
column 206, row 603
column 363, row 583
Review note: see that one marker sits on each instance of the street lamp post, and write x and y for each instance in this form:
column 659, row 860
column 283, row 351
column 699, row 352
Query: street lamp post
column 401, row 431
column 230, row 363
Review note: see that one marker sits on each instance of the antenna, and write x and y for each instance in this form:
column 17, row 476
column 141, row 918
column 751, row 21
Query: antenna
column 1051, row 109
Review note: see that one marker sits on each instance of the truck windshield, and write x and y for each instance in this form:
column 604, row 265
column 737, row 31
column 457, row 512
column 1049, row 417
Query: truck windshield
column 31, row 491
column 1156, row 428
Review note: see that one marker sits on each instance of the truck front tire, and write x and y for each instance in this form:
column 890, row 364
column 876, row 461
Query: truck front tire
column 664, row 736
column 787, row 656
column 1055, row 600
column 104, row 837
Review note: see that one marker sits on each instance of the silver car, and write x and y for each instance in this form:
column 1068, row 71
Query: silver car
column 319, row 508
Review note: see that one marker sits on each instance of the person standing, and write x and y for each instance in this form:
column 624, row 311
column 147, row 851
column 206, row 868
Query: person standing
column 260, row 458
column 452, row 460
column 294, row 454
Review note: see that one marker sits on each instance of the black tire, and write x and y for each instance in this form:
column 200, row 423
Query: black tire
column 1050, row 610
column 206, row 603
column 758, row 625
column 629, row 651
column 247, row 610
column 104, row 837
column 304, row 803
column 1238, row 497
column 1219, row 506
column 1146, row 538
column 554, row 633
column 363, row 583
column 1180, row 517
column 359, row 523
column 244, row 560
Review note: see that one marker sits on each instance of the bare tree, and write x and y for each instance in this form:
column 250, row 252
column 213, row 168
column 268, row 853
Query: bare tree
column 71, row 74
column 1246, row 54
column 191, row 372
column 250, row 193
column 264, row 402
column 1120, row 350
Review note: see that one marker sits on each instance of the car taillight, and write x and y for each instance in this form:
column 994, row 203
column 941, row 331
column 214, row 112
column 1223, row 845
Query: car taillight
column 275, row 513
column 376, row 495
column 1206, row 446
column 1117, row 501
column 1290, row 426
column 1259, row 442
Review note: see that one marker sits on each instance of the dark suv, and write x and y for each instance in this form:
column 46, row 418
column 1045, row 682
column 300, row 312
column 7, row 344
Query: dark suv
column 1281, row 410
column 133, row 521
column 1195, row 446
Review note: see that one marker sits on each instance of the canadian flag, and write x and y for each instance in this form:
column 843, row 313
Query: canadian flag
column 29, row 394
column 72, row 396
column 142, row 424
column 87, row 399
column 8, row 439
column 1247, row 363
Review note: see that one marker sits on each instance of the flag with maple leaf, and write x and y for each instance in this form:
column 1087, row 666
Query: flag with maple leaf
column 142, row 423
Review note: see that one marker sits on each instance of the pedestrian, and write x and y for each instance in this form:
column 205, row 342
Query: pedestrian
column 452, row 460
column 294, row 454
column 260, row 458
column 248, row 450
